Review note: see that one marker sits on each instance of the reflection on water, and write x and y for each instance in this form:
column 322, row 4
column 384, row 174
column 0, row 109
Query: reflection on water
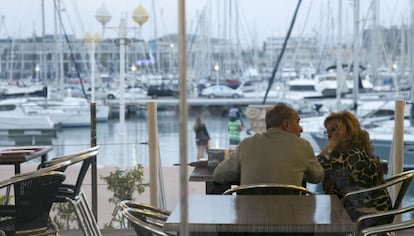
column 73, row 139
column 136, row 150
column 108, row 136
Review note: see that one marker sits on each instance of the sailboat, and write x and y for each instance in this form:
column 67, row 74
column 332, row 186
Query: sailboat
column 15, row 116
column 70, row 111
column 377, row 117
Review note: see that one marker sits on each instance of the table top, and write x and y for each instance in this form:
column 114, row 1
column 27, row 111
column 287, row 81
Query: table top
column 263, row 213
column 201, row 174
column 20, row 154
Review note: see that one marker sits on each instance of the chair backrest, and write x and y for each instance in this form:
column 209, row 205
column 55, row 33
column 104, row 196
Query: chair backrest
column 84, row 156
column 149, row 214
column 34, row 195
column 356, row 200
column 139, row 205
column 268, row 189
column 139, row 220
column 69, row 157
column 387, row 228
column 401, row 181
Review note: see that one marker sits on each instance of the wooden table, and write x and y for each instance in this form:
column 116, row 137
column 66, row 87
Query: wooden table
column 263, row 214
column 204, row 174
column 19, row 154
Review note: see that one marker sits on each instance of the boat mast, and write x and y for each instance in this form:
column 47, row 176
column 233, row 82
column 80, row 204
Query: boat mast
column 355, row 71
column 157, row 52
column 375, row 43
column 411, row 73
column 42, row 56
column 339, row 70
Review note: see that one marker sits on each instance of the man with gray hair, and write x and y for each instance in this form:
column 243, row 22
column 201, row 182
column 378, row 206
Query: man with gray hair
column 278, row 156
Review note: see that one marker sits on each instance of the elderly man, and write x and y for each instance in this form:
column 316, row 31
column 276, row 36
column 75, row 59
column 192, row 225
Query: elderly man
column 278, row 155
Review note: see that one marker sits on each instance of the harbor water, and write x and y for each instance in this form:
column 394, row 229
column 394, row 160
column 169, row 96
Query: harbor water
column 69, row 140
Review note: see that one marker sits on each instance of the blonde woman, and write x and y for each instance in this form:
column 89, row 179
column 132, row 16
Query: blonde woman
column 202, row 137
column 350, row 164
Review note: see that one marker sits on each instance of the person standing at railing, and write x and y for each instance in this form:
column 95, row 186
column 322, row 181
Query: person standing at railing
column 202, row 137
column 235, row 126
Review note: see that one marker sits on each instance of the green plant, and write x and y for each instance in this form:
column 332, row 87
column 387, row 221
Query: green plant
column 64, row 216
column 123, row 184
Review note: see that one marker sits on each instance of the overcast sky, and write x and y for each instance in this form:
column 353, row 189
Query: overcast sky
column 258, row 19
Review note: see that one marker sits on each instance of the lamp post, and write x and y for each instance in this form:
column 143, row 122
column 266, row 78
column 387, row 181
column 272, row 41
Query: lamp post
column 395, row 76
column 103, row 16
column 171, row 58
column 37, row 69
column 133, row 70
column 92, row 40
column 217, row 68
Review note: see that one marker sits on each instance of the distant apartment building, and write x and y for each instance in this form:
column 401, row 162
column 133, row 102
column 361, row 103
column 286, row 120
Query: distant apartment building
column 299, row 51
column 55, row 56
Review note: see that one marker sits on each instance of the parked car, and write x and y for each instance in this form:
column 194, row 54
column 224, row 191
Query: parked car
column 101, row 93
column 221, row 91
column 162, row 90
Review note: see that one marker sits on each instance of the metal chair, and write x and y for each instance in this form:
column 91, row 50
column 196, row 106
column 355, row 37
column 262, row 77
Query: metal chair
column 156, row 216
column 148, row 216
column 139, row 205
column 33, row 196
column 400, row 181
column 73, row 193
column 388, row 228
column 268, row 189
column 145, row 223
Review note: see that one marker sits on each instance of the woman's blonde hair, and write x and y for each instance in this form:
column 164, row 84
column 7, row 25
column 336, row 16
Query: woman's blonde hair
column 354, row 134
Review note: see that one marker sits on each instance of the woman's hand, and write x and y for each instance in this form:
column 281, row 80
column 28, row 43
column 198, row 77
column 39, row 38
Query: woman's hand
column 337, row 135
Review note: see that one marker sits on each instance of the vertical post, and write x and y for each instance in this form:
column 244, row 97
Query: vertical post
column 411, row 58
column 122, row 42
column 339, row 72
column 355, row 70
column 94, row 172
column 43, row 54
column 92, row 59
column 153, row 151
column 397, row 148
column 183, row 112
column 375, row 38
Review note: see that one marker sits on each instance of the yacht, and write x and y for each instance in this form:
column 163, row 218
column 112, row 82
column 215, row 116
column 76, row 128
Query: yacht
column 15, row 116
column 328, row 83
column 69, row 111
column 42, row 113
column 377, row 117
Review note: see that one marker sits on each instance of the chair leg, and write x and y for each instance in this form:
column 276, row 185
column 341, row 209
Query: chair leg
column 89, row 214
column 85, row 216
column 80, row 215
column 54, row 227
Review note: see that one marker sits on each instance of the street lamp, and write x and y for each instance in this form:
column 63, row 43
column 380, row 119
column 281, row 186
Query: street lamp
column 133, row 68
column 37, row 69
column 140, row 16
column 92, row 40
column 171, row 58
column 217, row 68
